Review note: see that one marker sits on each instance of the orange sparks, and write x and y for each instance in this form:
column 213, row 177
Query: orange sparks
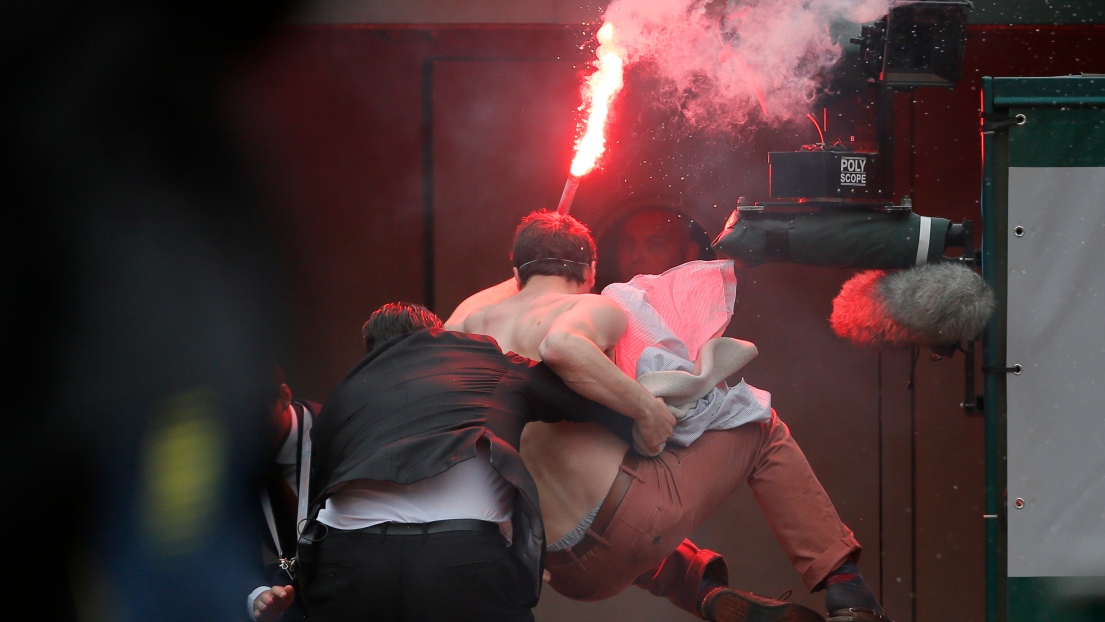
column 601, row 88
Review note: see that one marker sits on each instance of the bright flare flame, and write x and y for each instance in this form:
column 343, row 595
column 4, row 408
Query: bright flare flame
column 602, row 86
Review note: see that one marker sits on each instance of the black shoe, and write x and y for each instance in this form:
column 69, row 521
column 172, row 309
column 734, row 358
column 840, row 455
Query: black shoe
column 726, row 605
column 857, row 614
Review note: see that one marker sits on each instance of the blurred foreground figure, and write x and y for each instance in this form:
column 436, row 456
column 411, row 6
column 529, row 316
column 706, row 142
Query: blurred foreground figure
column 283, row 500
column 137, row 311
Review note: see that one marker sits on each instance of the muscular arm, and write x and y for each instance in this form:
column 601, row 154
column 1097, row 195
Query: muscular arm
column 574, row 348
column 491, row 295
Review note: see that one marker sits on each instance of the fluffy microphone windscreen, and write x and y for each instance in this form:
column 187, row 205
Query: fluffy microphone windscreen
column 933, row 304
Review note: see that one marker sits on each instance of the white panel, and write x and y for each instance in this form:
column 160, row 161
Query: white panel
column 1056, row 406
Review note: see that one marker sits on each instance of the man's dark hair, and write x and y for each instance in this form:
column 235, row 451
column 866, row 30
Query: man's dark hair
column 396, row 318
column 552, row 244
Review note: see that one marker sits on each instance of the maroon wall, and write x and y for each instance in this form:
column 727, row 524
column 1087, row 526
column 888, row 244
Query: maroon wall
column 400, row 159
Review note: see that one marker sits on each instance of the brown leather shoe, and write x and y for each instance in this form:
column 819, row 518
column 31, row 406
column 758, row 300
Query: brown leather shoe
column 725, row 605
column 857, row 614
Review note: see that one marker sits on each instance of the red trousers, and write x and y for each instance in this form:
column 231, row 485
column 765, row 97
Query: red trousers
column 675, row 492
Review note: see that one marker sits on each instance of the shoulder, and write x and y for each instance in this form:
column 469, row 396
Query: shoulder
column 599, row 302
column 475, row 321
column 441, row 337
column 491, row 295
column 599, row 309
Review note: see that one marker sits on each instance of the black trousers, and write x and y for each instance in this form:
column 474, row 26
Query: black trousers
column 454, row 576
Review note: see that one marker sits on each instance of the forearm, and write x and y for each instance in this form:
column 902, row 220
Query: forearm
column 588, row 372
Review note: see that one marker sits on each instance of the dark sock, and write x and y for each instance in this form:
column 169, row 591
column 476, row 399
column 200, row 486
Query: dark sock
column 846, row 588
column 706, row 586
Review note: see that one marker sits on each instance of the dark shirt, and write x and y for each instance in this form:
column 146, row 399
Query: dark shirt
column 420, row 403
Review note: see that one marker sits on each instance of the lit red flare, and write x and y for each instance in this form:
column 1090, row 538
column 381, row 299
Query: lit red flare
column 601, row 88
column 598, row 94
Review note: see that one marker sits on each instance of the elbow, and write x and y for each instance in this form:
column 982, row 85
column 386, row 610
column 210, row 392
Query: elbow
column 556, row 350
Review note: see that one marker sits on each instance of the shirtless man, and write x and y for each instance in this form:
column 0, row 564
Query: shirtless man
column 614, row 518
column 554, row 320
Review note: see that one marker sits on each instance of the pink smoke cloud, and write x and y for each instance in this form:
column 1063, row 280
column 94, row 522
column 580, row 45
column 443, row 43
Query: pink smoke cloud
column 722, row 63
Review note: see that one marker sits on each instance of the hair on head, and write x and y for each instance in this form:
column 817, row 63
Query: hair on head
column 552, row 244
column 396, row 318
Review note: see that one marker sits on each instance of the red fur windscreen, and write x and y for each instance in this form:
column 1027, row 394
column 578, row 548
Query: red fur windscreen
column 859, row 314
column 935, row 304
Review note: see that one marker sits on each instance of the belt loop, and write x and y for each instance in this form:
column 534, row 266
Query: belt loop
column 383, row 531
column 598, row 539
column 575, row 558
column 425, row 533
column 630, row 464
column 631, row 472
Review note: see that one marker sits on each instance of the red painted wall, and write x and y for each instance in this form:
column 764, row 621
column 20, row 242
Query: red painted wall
column 401, row 158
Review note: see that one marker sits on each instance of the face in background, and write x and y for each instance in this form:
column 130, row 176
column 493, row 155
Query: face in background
column 652, row 241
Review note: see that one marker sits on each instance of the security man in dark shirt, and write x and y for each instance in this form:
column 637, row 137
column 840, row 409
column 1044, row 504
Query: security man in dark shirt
column 422, row 508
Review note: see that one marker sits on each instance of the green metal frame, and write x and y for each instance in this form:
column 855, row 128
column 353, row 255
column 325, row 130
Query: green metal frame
column 1020, row 599
column 994, row 200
